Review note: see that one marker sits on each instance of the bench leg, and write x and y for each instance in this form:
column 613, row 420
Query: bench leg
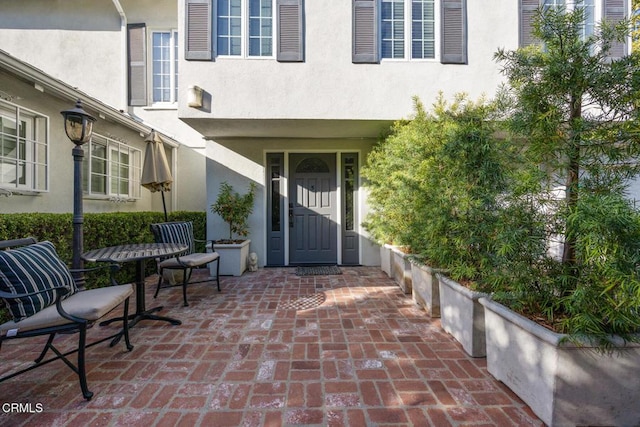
column 47, row 346
column 82, row 374
column 185, row 280
column 218, row 273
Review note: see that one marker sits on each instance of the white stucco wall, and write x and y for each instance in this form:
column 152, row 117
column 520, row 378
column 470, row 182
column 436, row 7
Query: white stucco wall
column 75, row 41
column 59, row 198
column 241, row 161
column 83, row 43
column 327, row 85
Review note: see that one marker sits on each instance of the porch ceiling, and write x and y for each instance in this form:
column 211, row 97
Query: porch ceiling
column 287, row 128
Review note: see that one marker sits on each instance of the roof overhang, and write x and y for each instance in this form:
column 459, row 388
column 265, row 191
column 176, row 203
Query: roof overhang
column 287, row 128
column 55, row 87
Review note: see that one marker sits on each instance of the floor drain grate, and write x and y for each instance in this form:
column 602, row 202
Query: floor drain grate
column 305, row 303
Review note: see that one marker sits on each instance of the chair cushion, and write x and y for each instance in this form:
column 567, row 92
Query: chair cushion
column 91, row 305
column 192, row 260
column 29, row 269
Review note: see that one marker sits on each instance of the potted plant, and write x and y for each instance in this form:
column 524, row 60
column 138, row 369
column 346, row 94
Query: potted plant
column 464, row 185
column 561, row 334
column 234, row 209
column 435, row 184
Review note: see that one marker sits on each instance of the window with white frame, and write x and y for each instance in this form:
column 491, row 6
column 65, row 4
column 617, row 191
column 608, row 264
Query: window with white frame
column 111, row 168
column 244, row 28
column 164, row 48
column 408, row 29
column 24, row 149
column 589, row 7
column 595, row 11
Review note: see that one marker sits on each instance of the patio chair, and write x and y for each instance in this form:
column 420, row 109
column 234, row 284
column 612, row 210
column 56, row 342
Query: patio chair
column 41, row 295
column 182, row 232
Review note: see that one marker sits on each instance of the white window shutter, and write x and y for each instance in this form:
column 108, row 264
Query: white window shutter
column 137, row 64
column 527, row 12
column 365, row 32
column 290, row 30
column 454, row 32
column 614, row 12
column 197, row 43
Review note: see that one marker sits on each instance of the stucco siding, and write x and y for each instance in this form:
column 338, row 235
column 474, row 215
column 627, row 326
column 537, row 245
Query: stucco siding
column 59, row 197
column 327, row 85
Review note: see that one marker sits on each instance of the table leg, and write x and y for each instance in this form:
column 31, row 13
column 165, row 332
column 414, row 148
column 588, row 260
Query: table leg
column 141, row 312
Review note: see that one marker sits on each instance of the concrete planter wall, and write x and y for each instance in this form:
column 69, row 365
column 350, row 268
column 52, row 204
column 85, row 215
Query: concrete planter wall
column 233, row 258
column 564, row 384
column 425, row 288
column 401, row 269
column 385, row 259
column 462, row 316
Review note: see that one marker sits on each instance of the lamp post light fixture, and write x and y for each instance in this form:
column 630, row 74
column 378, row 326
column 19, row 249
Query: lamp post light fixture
column 78, row 124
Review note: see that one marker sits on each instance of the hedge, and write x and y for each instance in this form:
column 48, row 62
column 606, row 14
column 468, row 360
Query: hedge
column 100, row 230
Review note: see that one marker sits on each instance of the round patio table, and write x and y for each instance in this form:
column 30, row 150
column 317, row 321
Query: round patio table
column 138, row 253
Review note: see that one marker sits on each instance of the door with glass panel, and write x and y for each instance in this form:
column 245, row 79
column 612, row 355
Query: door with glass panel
column 312, row 209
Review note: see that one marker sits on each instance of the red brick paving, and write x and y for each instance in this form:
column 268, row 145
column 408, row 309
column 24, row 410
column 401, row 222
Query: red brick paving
column 367, row 356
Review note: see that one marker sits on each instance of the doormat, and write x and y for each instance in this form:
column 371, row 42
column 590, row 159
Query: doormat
column 319, row 270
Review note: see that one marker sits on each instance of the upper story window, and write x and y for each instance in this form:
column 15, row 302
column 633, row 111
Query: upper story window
column 24, row 149
column 589, row 7
column 410, row 29
column 244, row 29
column 157, row 83
column 164, row 48
column 595, row 11
column 111, row 168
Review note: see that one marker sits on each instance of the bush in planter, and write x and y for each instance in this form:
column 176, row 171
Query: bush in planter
column 434, row 184
column 234, row 209
column 461, row 190
column 390, row 173
column 576, row 108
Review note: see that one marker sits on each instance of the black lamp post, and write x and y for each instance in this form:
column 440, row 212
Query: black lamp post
column 78, row 125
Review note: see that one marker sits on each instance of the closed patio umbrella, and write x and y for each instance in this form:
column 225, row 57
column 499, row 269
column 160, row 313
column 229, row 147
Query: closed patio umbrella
column 156, row 175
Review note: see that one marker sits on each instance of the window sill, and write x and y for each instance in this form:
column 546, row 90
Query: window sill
column 8, row 192
column 113, row 199
column 160, row 107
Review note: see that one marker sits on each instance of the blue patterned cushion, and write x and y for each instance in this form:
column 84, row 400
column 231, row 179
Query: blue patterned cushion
column 29, row 269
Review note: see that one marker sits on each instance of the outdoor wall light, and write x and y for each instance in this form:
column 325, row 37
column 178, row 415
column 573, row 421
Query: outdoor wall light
column 194, row 96
column 78, row 125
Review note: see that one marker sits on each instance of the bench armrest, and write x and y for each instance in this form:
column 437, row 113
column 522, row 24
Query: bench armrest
column 59, row 290
column 112, row 274
column 206, row 243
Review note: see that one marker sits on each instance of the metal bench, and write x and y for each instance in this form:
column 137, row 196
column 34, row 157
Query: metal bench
column 39, row 291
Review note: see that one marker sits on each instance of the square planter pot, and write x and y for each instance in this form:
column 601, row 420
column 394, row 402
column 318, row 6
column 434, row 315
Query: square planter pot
column 233, row 258
column 425, row 288
column 385, row 259
column 563, row 383
column 462, row 316
column 401, row 269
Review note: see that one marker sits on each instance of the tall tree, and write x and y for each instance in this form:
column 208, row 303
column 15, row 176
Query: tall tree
column 577, row 109
column 635, row 24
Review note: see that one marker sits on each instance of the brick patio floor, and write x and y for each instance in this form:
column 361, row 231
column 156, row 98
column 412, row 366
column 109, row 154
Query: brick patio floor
column 272, row 349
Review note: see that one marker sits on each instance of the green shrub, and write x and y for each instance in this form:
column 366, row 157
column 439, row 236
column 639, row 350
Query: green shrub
column 234, row 208
column 576, row 111
column 435, row 184
column 100, row 230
